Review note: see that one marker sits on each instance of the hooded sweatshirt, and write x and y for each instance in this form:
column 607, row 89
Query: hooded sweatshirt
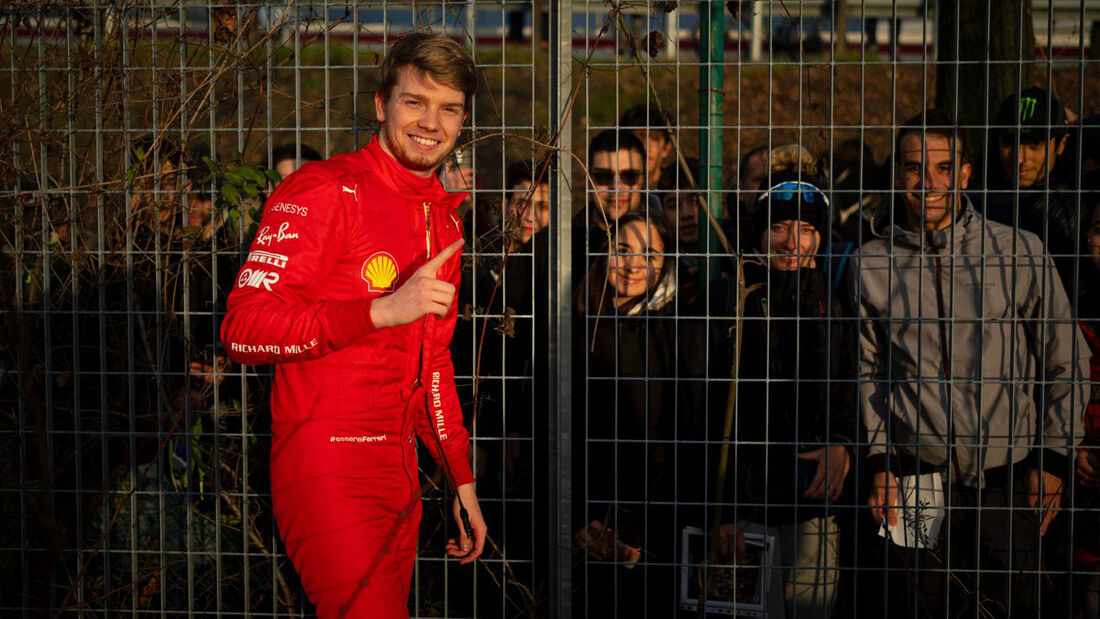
column 969, row 357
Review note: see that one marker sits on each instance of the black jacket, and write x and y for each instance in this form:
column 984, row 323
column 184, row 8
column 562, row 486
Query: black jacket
column 638, row 461
column 795, row 391
column 1050, row 211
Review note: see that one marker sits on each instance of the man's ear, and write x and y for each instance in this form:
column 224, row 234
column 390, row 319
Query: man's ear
column 1062, row 141
column 964, row 176
column 380, row 107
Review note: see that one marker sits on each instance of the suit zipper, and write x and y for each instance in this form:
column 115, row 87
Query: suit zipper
column 423, row 327
column 424, row 321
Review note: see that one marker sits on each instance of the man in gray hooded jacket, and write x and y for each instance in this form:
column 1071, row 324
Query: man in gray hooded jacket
column 970, row 370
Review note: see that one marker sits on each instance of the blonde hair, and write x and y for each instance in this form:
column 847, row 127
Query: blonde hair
column 437, row 55
column 795, row 159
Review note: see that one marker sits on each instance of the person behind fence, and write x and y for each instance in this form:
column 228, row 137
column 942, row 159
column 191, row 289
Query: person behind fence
column 970, row 391
column 649, row 125
column 528, row 202
column 625, row 418
column 752, row 172
column 285, row 158
column 616, row 167
column 1085, row 520
column 183, row 259
column 507, row 284
column 349, row 290
column 1027, row 190
column 680, row 206
column 855, row 179
column 795, row 407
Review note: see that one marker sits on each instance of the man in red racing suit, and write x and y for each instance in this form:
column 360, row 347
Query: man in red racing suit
column 349, row 290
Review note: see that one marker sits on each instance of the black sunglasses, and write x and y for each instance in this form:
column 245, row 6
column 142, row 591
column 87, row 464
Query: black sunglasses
column 606, row 176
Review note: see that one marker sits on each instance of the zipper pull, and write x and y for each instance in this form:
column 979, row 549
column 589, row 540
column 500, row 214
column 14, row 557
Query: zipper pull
column 428, row 229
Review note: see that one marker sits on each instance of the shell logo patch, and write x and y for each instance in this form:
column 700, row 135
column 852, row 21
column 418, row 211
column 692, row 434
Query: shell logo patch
column 380, row 272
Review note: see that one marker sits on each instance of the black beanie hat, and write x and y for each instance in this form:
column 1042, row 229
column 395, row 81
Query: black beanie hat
column 791, row 199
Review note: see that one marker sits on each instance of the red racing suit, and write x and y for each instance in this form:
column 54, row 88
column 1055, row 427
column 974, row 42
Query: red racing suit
column 348, row 396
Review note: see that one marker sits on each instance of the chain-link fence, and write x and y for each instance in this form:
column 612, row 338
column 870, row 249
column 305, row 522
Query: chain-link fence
column 729, row 293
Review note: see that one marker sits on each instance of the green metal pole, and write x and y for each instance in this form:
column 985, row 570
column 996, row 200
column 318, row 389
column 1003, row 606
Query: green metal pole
column 711, row 83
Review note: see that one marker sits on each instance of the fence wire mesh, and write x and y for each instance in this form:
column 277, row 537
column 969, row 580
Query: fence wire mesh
column 728, row 293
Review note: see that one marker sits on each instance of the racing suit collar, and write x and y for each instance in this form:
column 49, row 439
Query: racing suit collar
column 404, row 182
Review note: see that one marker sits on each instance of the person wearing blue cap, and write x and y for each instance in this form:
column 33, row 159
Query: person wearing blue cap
column 795, row 410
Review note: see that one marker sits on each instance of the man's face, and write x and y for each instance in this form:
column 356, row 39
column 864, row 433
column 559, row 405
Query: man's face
column 286, row 167
column 657, row 147
column 421, row 121
column 618, row 177
column 790, row 245
column 756, row 171
column 682, row 212
column 532, row 214
column 929, row 177
column 1028, row 165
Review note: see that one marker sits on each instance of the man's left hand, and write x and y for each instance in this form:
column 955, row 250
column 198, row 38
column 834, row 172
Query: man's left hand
column 1048, row 486
column 462, row 547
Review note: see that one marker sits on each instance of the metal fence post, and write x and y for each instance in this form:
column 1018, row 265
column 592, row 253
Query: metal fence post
column 711, row 63
column 559, row 423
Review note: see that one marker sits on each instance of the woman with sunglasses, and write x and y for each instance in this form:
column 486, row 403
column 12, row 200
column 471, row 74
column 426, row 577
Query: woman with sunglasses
column 625, row 455
column 795, row 419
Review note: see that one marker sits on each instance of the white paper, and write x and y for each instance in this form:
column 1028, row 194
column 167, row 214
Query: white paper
column 922, row 512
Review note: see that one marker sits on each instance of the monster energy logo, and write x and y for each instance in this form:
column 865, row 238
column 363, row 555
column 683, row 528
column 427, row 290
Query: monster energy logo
column 1027, row 108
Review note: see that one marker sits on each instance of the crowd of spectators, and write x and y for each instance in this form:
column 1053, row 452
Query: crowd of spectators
column 876, row 334
column 897, row 333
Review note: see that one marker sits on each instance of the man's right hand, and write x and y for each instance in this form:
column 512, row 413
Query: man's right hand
column 423, row 294
column 884, row 498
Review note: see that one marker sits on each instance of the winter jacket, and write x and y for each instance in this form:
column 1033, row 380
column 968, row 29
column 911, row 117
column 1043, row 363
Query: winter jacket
column 637, row 448
column 795, row 391
column 969, row 357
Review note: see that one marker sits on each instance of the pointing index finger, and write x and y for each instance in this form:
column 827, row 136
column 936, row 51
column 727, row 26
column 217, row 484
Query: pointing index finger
column 442, row 257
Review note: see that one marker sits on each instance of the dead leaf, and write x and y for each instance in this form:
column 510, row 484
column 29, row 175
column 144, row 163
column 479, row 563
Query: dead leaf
column 653, row 43
column 507, row 326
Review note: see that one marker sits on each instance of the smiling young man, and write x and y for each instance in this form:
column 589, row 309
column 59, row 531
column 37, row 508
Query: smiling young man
column 350, row 293
column 970, row 375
